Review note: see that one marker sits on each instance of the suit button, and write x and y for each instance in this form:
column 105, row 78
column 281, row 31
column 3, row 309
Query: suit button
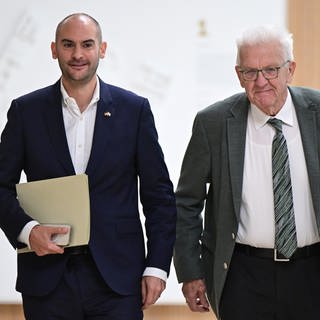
column 225, row 266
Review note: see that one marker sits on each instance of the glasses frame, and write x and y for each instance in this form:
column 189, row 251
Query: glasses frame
column 243, row 72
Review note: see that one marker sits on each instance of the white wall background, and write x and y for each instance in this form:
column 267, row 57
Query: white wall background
column 155, row 48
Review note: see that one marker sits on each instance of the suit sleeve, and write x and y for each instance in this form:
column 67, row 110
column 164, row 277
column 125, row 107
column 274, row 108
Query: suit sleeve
column 12, row 216
column 190, row 197
column 156, row 194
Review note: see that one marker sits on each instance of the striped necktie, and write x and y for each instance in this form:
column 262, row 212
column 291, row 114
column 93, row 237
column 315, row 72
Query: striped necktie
column 285, row 229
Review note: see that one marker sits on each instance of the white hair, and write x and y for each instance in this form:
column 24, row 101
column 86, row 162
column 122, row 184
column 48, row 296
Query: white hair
column 266, row 34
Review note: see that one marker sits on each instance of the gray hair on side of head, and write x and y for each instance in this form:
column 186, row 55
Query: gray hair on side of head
column 266, row 34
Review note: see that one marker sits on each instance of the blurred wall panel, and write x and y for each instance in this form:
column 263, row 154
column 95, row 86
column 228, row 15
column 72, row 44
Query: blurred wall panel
column 304, row 23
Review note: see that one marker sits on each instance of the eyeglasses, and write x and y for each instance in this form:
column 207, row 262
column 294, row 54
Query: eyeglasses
column 269, row 73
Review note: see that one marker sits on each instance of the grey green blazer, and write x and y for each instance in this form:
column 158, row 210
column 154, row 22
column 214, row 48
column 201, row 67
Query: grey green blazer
column 211, row 177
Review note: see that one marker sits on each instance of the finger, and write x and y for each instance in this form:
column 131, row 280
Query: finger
column 57, row 230
column 194, row 305
column 49, row 248
column 54, row 248
column 40, row 240
column 153, row 289
column 143, row 291
column 202, row 301
column 150, row 299
column 203, row 306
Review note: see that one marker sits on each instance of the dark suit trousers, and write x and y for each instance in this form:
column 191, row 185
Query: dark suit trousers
column 261, row 289
column 82, row 295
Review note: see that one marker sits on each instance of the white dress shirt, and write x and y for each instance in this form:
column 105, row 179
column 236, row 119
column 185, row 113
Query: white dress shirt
column 257, row 226
column 79, row 128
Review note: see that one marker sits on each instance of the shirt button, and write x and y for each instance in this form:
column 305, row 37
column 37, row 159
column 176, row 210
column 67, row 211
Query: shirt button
column 225, row 266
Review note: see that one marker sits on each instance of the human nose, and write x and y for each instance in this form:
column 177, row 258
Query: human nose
column 261, row 80
column 77, row 52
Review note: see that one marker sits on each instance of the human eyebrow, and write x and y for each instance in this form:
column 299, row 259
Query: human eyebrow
column 88, row 43
column 67, row 42
column 248, row 69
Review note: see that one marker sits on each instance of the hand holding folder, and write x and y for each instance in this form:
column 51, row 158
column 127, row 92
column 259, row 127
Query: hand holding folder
column 62, row 201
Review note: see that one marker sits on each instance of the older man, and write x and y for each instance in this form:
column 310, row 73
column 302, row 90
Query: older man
column 253, row 161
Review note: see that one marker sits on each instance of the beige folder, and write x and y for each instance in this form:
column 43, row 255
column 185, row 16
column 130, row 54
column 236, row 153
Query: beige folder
column 62, row 200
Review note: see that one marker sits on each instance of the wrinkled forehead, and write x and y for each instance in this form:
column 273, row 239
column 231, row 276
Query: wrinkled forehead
column 261, row 54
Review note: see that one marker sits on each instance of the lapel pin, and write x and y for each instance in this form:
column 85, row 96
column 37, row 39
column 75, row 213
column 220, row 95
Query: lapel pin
column 107, row 114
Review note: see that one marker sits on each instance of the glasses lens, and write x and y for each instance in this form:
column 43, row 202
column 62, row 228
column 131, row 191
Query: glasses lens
column 270, row 73
column 250, row 75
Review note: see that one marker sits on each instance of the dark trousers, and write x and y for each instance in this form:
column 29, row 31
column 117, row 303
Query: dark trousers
column 261, row 289
column 82, row 295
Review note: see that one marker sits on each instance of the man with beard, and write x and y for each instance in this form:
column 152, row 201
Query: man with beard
column 83, row 125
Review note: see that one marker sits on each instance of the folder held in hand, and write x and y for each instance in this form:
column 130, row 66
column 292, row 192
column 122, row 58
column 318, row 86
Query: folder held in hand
column 62, row 201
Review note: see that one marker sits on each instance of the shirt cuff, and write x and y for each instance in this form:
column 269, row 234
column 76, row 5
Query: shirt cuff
column 25, row 232
column 155, row 272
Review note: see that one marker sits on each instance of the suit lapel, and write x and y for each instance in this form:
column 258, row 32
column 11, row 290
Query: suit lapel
column 102, row 130
column 308, row 119
column 54, row 121
column 236, row 135
column 308, row 124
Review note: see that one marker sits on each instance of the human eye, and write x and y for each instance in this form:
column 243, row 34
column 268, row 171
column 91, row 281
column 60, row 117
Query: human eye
column 67, row 44
column 88, row 44
column 250, row 74
column 270, row 71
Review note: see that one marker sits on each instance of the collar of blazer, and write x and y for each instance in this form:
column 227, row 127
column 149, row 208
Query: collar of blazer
column 54, row 120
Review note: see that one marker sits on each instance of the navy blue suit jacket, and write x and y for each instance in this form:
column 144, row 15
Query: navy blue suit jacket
column 124, row 148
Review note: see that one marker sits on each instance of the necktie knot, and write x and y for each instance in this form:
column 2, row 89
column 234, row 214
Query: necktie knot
column 276, row 123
